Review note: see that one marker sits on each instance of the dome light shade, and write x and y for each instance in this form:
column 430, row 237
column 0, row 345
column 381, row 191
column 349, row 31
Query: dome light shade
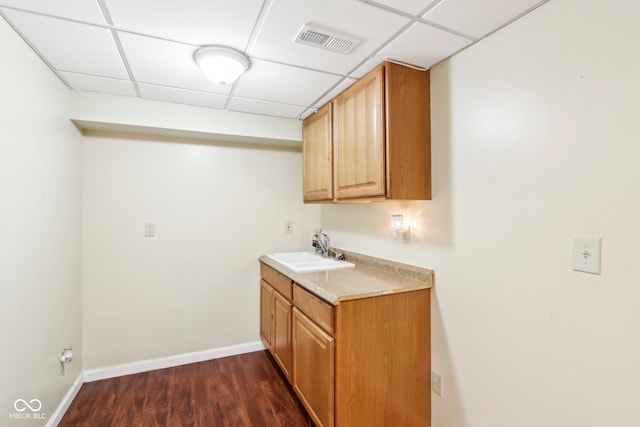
column 220, row 64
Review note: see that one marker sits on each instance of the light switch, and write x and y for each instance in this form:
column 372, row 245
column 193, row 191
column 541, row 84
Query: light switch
column 149, row 229
column 586, row 254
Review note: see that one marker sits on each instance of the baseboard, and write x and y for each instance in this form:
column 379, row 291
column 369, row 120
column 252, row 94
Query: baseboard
column 169, row 361
column 59, row 412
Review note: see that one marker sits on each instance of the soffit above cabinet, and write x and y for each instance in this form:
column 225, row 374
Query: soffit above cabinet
column 145, row 48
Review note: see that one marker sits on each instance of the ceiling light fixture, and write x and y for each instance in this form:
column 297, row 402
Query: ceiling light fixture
column 220, row 64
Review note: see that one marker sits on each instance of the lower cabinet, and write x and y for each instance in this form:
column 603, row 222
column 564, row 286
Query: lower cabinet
column 363, row 362
column 281, row 345
column 275, row 316
column 313, row 368
column 383, row 363
column 266, row 313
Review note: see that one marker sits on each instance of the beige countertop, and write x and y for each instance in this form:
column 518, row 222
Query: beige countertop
column 370, row 277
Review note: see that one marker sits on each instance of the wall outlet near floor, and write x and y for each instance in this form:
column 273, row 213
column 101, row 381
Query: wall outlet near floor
column 436, row 383
column 288, row 227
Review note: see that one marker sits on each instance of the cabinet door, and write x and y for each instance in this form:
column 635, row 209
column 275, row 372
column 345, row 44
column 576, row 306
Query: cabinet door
column 282, row 333
column 313, row 369
column 358, row 139
column 317, row 182
column 266, row 314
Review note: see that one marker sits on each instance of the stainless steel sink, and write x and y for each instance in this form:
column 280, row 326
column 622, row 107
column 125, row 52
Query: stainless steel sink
column 304, row 262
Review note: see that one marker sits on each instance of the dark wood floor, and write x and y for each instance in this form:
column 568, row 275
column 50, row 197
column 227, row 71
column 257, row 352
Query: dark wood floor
column 245, row 391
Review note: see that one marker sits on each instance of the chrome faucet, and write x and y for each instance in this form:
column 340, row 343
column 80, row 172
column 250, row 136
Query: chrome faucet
column 320, row 241
column 338, row 256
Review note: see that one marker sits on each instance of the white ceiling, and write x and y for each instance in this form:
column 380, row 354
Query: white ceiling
column 144, row 48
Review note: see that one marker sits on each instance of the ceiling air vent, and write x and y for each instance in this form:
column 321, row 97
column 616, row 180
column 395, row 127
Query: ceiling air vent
column 323, row 39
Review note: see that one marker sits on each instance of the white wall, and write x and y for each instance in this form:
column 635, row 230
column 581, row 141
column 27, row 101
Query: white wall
column 536, row 140
column 40, row 218
column 194, row 286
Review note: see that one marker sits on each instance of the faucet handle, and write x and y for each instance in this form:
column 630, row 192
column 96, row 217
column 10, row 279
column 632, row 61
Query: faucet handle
column 338, row 256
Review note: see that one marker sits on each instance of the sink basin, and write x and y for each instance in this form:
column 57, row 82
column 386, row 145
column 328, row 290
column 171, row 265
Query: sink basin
column 304, row 262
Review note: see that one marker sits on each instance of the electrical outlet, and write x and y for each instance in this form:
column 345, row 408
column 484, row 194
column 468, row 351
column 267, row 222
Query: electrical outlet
column 288, row 227
column 436, row 383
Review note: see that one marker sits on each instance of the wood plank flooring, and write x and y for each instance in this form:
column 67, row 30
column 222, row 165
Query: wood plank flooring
column 247, row 390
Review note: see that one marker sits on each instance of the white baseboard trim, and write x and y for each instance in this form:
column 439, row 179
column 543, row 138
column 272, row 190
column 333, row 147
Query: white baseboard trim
column 59, row 412
column 91, row 375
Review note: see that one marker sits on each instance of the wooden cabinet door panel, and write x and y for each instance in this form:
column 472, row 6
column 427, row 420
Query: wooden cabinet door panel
column 313, row 369
column 266, row 314
column 282, row 333
column 317, row 181
column 359, row 132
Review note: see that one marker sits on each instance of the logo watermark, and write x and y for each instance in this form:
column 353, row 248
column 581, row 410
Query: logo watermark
column 27, row 410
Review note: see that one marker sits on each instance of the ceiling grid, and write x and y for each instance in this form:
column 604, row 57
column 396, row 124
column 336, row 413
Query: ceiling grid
column 145, row 48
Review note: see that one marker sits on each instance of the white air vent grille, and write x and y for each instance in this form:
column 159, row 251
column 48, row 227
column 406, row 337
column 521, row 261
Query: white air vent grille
column 323, row 39
column 313, row 38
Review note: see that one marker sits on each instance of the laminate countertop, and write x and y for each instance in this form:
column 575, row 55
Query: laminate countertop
column 370, row 277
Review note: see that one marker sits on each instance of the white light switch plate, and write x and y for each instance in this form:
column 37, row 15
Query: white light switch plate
column 149, row 229
column 586, row 254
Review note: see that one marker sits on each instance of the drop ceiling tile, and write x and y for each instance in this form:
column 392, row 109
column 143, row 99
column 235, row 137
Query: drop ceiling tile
column 182, row 96
column 413, row 7
column 159, row 39
column 198, row 22
column 274, row 82
column 69, row 46
column 424, row 46
column 335, row 92
column 478, row 18
column 99, row 84
column 372, row 25
column 165, row 63
column 80, row 10
column 264, row 107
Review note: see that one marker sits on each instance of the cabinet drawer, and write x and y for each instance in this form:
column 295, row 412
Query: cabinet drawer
column 278, row 281
column 317, row 310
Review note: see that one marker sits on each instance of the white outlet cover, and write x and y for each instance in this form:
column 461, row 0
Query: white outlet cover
column 586, row 254
column 436, row 383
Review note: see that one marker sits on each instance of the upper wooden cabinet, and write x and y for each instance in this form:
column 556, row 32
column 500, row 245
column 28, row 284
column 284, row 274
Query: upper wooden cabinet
column 316, row 149
column 359, row 163
column 380, row 140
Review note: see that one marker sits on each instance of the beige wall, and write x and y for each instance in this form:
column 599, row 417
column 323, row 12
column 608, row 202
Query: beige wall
column 536, row 140
column 194, row 286
column 40, row 218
